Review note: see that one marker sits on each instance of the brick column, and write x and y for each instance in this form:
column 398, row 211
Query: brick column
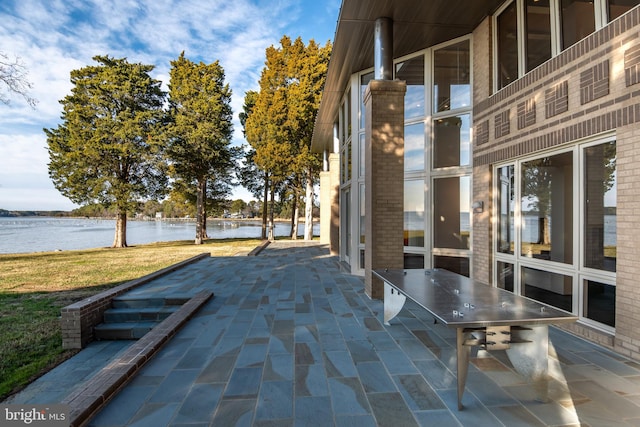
column 330, row 205
column 325, row 207
column 384, row 180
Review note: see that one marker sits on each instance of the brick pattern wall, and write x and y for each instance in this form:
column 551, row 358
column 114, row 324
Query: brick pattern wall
column 526, row 113
column 482, row 132
column 384, row 180
column 589, row 89
column 556, row 99
column 502, row 124
column 594, row 83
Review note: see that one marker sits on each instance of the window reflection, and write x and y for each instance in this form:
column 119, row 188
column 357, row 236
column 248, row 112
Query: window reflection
column 452, row 141
column 414, row 147
column 538, row 19
column 618, row 8
column 451, row 222
column 578, row 21
column 414, row 221
column 451, row 77
column 600, row 302
column 547, row 213
column 507, row 46
column 551, row 288
column 600, row 207
column 412, row 72
column 506, row 209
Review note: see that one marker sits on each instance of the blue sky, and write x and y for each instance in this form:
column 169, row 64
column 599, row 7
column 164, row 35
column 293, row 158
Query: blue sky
column 53, row 37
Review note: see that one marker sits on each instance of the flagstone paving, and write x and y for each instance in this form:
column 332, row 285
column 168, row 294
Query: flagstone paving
column 292, row 340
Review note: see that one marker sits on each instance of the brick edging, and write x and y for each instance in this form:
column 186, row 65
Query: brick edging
column 78, row 319
column 256, row 251
column 88, row 399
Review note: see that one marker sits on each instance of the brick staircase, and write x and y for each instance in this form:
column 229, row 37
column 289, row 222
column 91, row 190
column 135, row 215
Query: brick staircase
column 131, row 317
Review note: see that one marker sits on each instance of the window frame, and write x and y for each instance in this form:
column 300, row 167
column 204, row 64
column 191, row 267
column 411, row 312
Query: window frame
column 601, row 20
column 576, row 270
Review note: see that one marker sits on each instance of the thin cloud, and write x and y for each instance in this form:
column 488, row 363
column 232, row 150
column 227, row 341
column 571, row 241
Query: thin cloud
column 54, row 37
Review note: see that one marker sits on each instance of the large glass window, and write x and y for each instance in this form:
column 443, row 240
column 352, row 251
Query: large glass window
column 456, row 264
column 600, row 302
column 600, row 207
column 412, row 72
column 578, row 21
column 552, row 207
column 506, row 210
column 504, row 276
column 414, row 147
column 618, row 8
column 452, row 141
column 529, row 32
column 452, row 77
column 538, row 32
column 451, row 222
column 551, row 288
column 507, row 31
column 414, row 221
column 546, row 204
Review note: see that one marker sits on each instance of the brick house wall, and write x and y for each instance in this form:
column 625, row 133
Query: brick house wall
column 589, row 89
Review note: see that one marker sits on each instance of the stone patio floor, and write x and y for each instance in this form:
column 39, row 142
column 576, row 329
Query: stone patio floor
column 291, row 340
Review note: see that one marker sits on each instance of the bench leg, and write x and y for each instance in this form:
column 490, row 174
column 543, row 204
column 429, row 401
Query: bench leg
column 463, row 352
column 531, row 359
column 393, row 303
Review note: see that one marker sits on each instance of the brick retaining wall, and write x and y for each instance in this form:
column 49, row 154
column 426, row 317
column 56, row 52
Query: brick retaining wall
column 78, row 319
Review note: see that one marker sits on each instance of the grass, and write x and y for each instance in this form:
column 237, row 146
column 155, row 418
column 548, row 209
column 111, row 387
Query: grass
column 35, row 286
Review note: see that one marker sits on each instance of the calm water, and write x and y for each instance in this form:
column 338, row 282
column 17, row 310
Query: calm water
column 37, row 234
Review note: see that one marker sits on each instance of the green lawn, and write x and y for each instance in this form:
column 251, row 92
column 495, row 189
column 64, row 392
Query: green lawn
column 34, row 287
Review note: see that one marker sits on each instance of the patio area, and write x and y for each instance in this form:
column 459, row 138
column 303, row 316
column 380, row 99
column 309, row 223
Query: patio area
column 291, row 340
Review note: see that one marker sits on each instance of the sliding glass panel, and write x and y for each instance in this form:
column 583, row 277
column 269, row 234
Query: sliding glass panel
column 414, row 221
column 600, row 302
column 414, row 147
column 451, row 77
column 452, row 141
column 538, row 20
column 451, row 225
column 507, row 46
column 600, row 249
column 412, row 72
column 506, row 207
column 578, row 21
column 547, row 208
column 551, row 288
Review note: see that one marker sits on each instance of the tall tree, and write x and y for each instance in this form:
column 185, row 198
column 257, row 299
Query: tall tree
column 200, row 129
column 280, row 125
column 106, row 149
column 13, row 76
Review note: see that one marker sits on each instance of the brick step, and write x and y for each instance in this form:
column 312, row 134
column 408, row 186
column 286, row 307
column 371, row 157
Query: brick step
column 123, row 330
column 156, row 314
column 125, row 301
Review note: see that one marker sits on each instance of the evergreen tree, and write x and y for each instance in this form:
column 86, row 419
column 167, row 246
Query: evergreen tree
column 200, row 131
column 280, row 124
column 107, row 150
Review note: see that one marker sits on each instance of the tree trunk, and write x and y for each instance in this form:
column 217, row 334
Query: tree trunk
column 205, row 235
column 308, row 209
column 295, row 214
column 200, row 212
column 271, row 203
column 265, row 205
column 120, row 238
